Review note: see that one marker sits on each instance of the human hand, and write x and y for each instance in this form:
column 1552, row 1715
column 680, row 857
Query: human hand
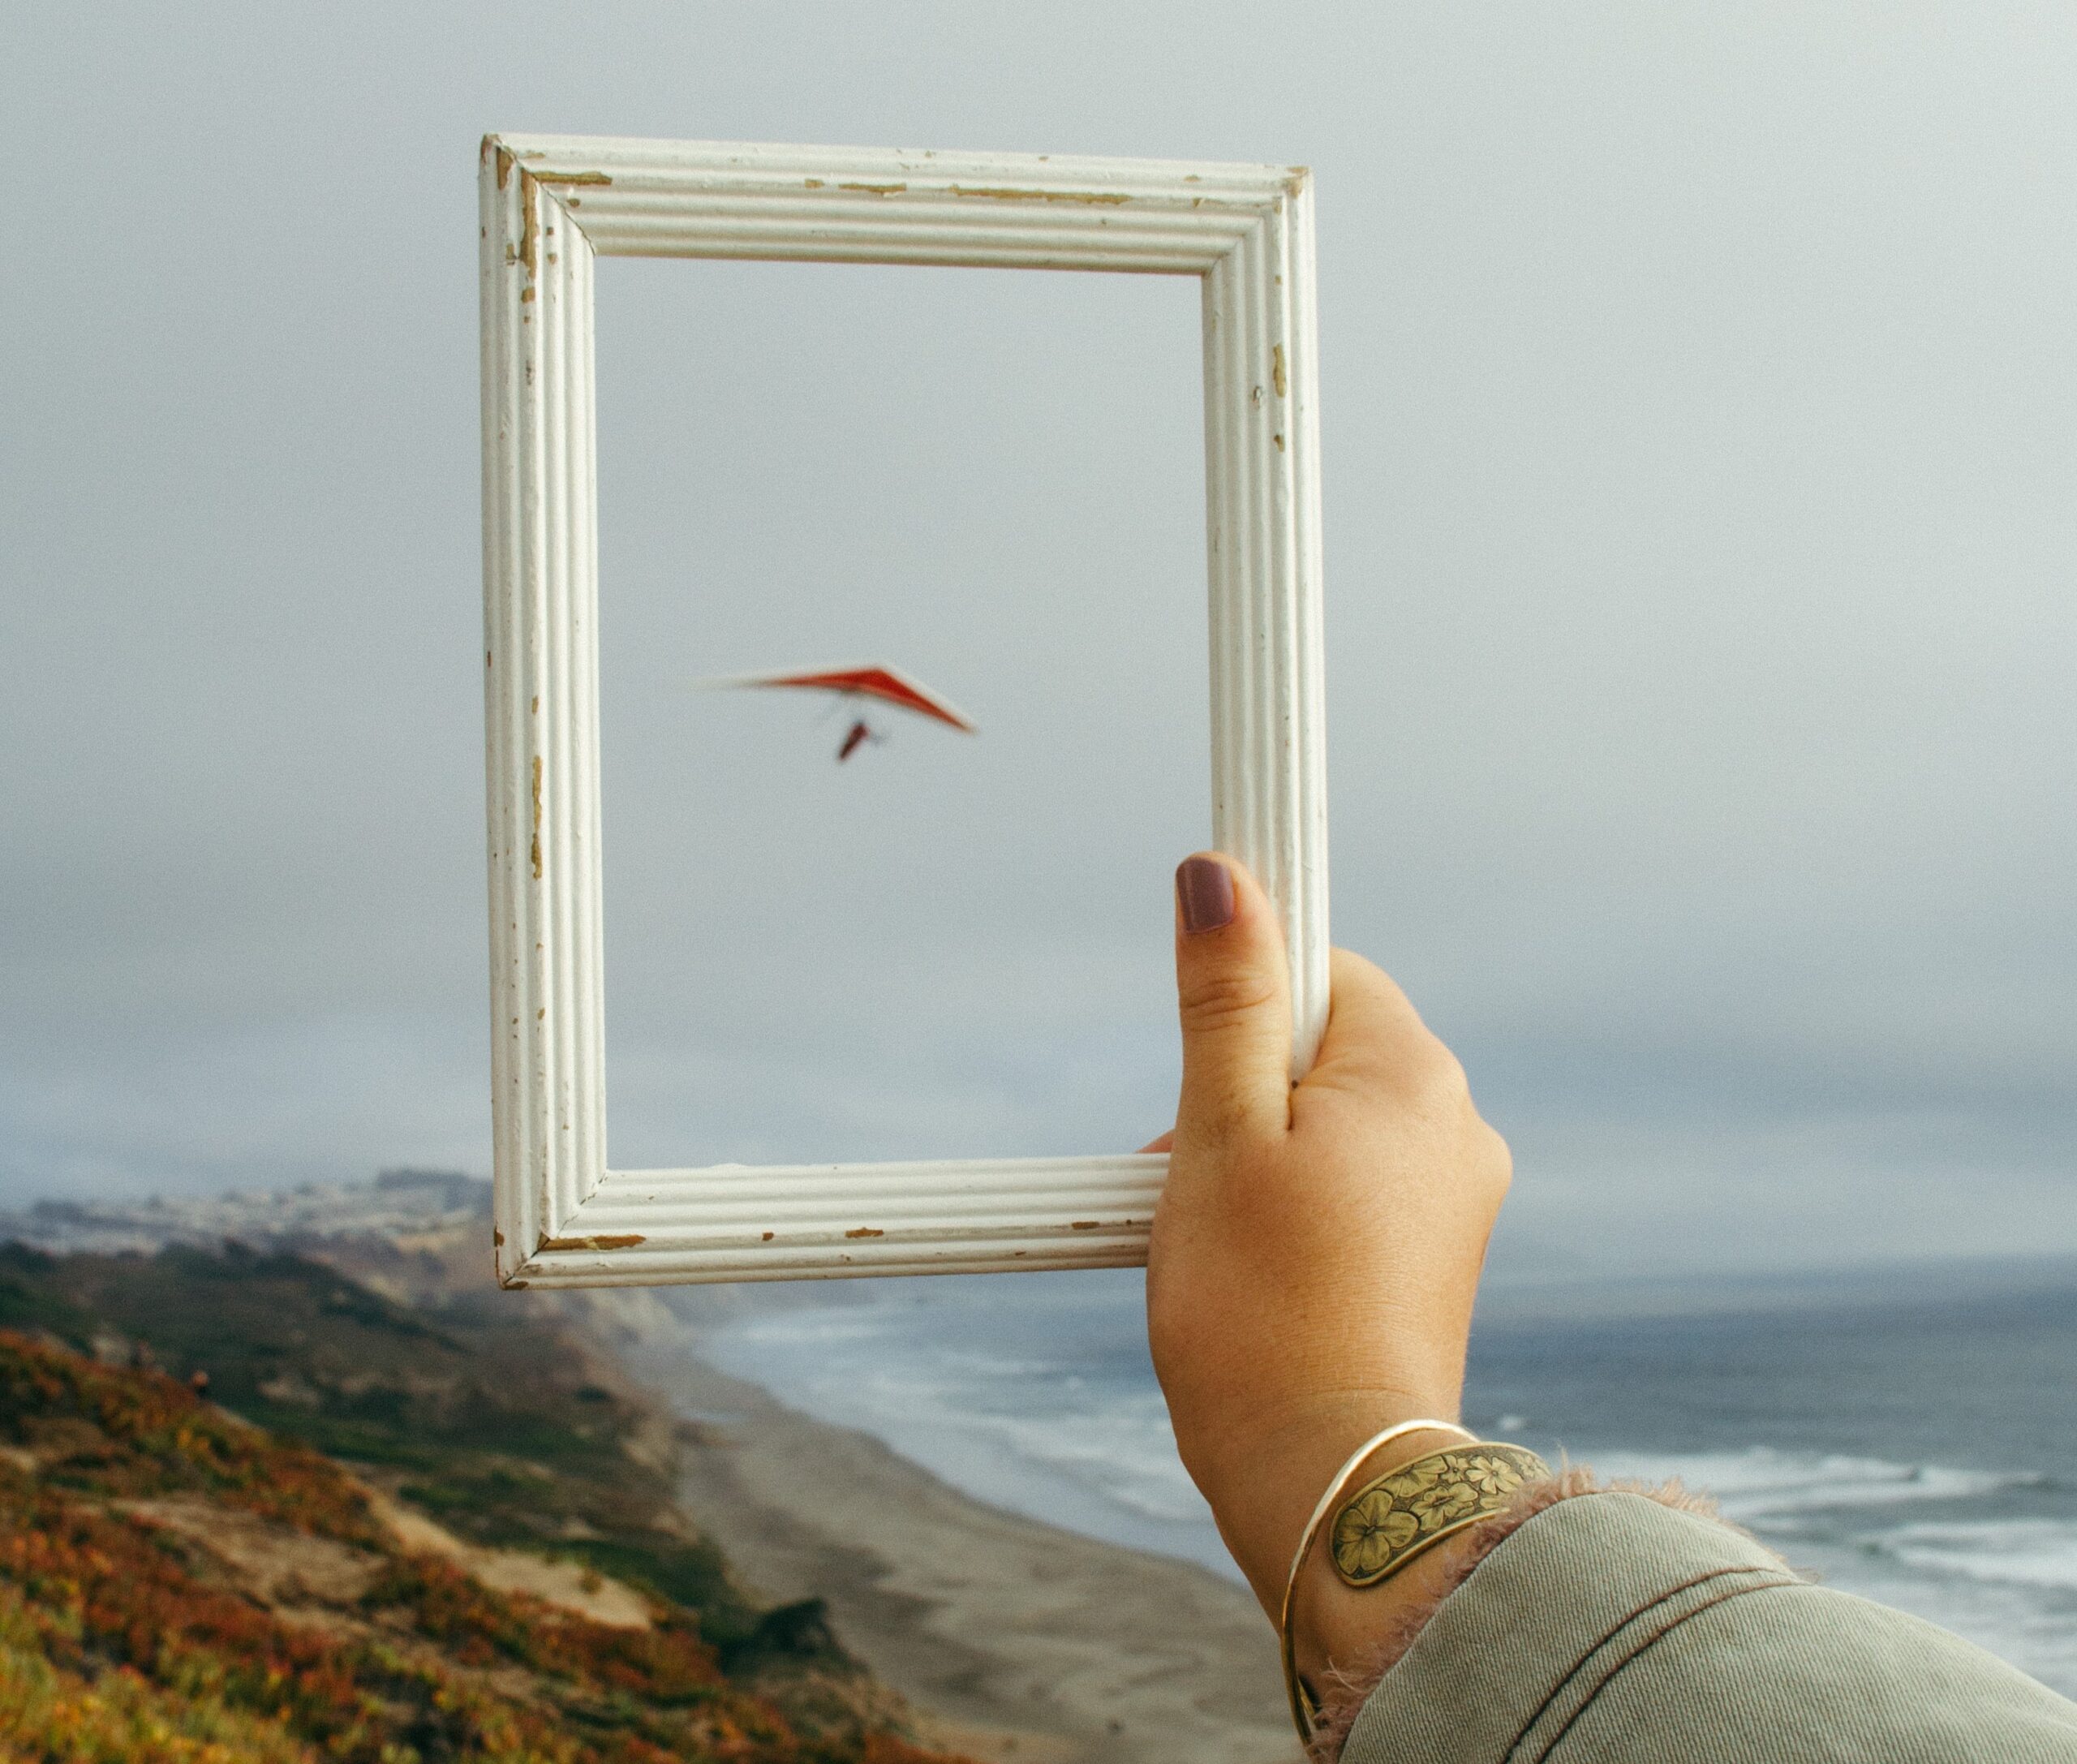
column 1318, row 1247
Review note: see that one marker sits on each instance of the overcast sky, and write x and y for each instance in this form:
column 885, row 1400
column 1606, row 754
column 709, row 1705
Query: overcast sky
column 1699, row 412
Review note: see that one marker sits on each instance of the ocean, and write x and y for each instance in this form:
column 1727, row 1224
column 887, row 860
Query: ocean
column 1909, row 1435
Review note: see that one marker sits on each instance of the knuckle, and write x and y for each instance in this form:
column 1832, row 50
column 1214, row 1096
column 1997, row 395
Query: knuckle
column 1498, row 1163
column 1438, row 1079
column 1224, row 999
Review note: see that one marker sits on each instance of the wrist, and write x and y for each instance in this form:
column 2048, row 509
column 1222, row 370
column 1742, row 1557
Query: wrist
column 1263, row 1492
column 1338, row 1630
column 1403, row 1528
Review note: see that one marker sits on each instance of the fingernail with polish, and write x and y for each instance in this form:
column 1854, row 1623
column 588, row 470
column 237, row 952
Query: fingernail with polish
column 1204, row 890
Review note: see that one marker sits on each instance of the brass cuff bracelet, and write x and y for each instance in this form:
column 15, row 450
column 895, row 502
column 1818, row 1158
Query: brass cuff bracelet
column 1387, row 1522
column 1395, row 1517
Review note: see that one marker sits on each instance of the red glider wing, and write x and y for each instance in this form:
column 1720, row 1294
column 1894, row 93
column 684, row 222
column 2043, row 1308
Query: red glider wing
column 873, row 681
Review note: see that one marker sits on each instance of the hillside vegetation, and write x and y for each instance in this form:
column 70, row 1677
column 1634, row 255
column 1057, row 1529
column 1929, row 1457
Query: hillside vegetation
column 251, row 1510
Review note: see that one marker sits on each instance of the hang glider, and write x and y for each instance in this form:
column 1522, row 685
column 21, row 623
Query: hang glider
column 873, row 681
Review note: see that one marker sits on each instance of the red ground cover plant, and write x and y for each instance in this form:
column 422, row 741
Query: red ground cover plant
column 157, row 1437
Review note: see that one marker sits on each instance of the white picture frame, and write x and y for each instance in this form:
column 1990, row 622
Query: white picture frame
column 550, row 205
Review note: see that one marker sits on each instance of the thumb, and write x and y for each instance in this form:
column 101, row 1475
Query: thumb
column 1233, row 993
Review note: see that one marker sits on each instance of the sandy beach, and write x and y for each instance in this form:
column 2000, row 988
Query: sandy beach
column 1015, row 1641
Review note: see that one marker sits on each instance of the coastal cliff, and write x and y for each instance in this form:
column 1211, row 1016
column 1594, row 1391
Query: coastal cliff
column 560, row 1459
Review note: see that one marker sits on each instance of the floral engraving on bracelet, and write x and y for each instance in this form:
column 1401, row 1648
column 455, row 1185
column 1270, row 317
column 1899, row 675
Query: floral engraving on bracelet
column 1385, row 1523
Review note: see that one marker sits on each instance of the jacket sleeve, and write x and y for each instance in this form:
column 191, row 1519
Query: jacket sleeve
column 1610, row 1629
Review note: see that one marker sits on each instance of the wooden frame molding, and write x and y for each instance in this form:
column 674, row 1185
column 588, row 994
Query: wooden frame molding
column 550, row 205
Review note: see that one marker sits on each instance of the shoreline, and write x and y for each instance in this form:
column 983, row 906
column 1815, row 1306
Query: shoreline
column 1014, row 1642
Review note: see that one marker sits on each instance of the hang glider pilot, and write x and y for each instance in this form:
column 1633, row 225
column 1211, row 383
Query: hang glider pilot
column 869, row 683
